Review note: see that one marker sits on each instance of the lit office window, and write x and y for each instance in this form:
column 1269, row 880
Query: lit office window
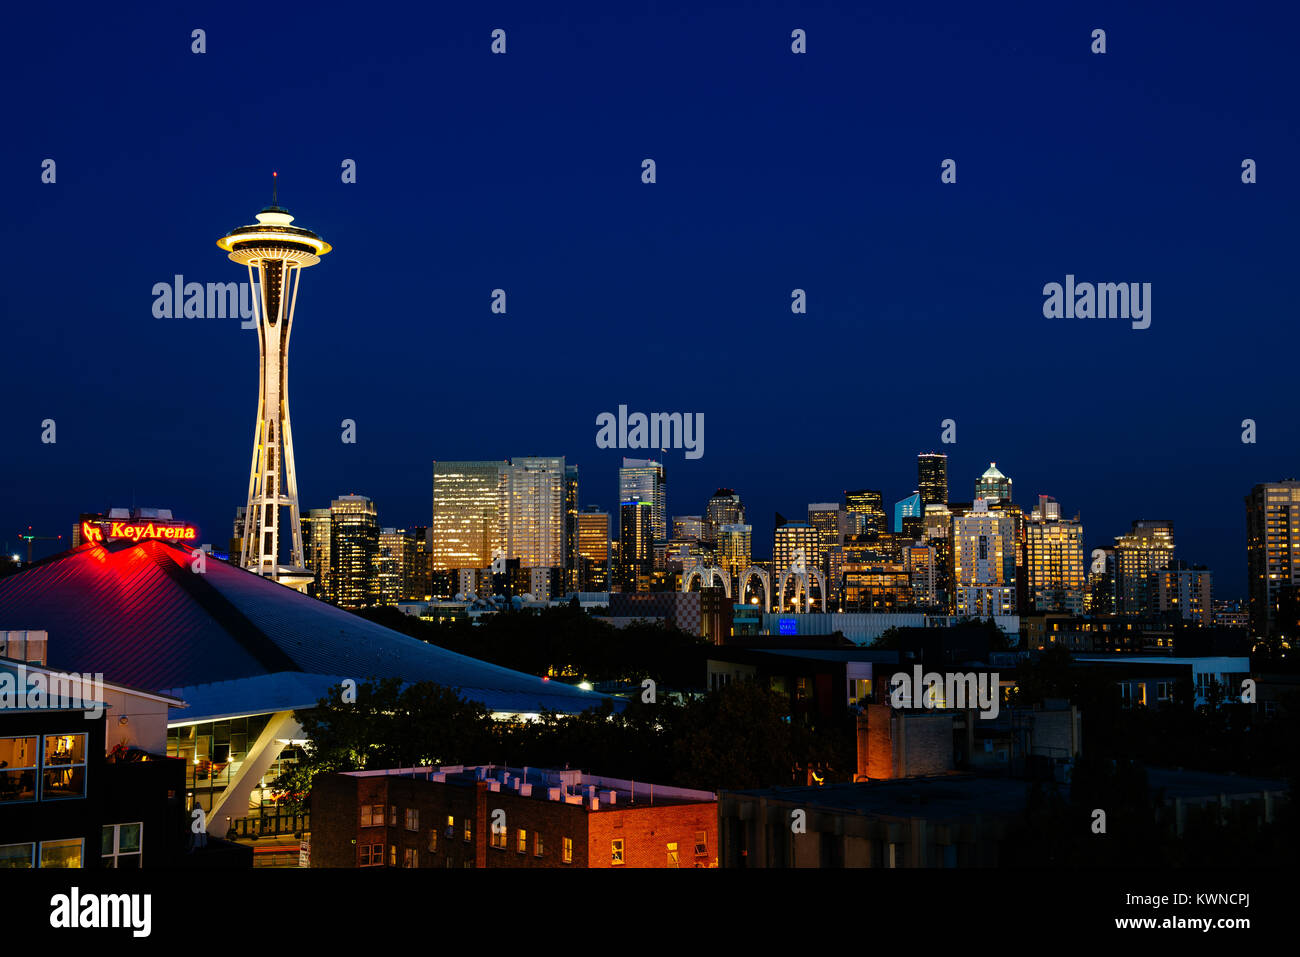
column 18, row 766
column 120, row 845
column 61, row 853
column 64, row 767
column 17, row 855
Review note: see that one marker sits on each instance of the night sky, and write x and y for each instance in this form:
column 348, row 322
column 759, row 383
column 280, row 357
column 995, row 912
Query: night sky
column 775, row 171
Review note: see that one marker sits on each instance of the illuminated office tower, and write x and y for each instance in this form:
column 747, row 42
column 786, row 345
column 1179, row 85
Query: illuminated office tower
column 724, row 508
column 643, row 480
column 636, row 545
column 1054, row 559
column 397, row 565
column 869, row 503
column 792, row 539
column 826, row 517
column 571, row 570
column 533, row 511
column 689, row 528
column 1273, row 557
column 993, row 485
column 983, row 562
column 932, row 478
column 316, row 550
column 275, row 252
column 921, row 563
column 593, row 549
column 354, row 548
column 1147, row 548
column 465, row 527
column 1185, row 590
column 735, row 548
column 909, row 507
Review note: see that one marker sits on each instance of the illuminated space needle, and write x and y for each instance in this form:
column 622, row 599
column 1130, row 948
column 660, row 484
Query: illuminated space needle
column 275, row 252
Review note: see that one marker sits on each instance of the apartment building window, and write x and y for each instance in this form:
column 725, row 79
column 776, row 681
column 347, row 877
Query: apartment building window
column 412, row 819
column 392, row 815
column 469, row 829
column 17, row 855
column 538, row 849
column 521, row 842
column 61, row 853
column 410, row 857
column 372, row 855
column 433, row 839
column 701, row 844
column 18, row 769
column 672, row 854
column 372, row 815
column 498, row 836
column 120, row 845
column 616, row 851
column 566, row 850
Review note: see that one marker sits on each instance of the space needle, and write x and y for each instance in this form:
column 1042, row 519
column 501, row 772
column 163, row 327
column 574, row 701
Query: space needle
column 275, row 252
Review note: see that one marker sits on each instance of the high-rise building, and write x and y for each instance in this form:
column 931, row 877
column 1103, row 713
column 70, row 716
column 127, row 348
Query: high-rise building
column 993, row 485
column 735, row 549
column 983, row 562
column 533, row 511
column 1187, row 590
column 826, row 518
column 932, row 478
column 1054, row 559
column 921, row 563
column 1273, row 556
column 593, row 549
column 690, row 528
column 466, row 503
column 275, row 252
column 354, row 547
column 396, row 565
column 636, row 544
column 869, row 503
column 571, row 562
column 1147, row 548
column 643, row 480
column 1100, row 598
column 724, row 508
column 909, row 507
column 316, row 550
column 791, row 540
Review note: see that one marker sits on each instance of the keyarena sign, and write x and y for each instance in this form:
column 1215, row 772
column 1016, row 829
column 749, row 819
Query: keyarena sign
column 111, row 531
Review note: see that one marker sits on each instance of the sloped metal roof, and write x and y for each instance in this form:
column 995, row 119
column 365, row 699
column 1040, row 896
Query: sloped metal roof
column 139, row 615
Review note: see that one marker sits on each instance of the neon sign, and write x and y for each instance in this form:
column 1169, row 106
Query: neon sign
column 137, row 532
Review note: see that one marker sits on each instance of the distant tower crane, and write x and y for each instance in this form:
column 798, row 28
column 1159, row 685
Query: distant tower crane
column 29, row 538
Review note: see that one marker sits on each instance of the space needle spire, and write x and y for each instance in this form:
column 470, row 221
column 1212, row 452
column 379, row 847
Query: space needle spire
column 275, row 252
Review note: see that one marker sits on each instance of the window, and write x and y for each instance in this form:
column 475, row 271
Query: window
column 18, row 764
column 433, row 839
column 120, row 845
column 566, row 850
column 451, row 826
column 701, row 844
column 412, row 819
column 61, row 853
column 17, row 855
column 616, row 851
column 672, row 854
column 469, row 829
column 410, row 857
column 498, row 839
column 372, row 855
column 392, row 855
column 372, row 815
column 521, row 841
column 392, row 815
column 537, row 844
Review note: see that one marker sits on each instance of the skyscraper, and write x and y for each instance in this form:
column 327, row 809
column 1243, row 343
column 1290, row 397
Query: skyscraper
column 735, row 549
column 465, row 527
column 397, row 565
column 869, row 503
column 724, row 508
column 910, row 507
column 316, row 550
column 993, row 485
column 1148, row 547
column 533, row 511
column 1054, row 556
column 571, row 574
column 932, row 478
column 1185, row 590
column 983, row 562
column 1273, row 556
column 636, row 544
column 643, row 480
column 354, row 547
column 275, row 252
column 593, row 549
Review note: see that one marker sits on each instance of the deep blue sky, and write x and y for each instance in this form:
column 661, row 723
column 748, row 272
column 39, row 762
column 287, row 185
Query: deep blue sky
column 775, row 171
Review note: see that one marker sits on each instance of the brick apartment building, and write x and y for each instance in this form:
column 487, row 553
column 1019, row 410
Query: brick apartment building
column 487, row 816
